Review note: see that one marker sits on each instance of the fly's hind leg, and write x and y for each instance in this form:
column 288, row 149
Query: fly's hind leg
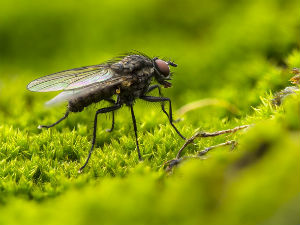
column 57, row 122
column 100, row 111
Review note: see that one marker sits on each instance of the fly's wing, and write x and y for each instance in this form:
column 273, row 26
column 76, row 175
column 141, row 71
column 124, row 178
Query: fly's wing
column 71, row 79
column 63, row 96
column 68, row 95
column 77, row 82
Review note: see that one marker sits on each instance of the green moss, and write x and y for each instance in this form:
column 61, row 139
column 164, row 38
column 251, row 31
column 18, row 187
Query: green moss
column 236, row 55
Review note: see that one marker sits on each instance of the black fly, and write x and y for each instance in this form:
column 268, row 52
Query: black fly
column 128, row 77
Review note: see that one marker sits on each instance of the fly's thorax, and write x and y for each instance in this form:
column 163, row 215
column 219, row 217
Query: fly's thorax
column 136, row 87
column 131, row 64
column 137, row 80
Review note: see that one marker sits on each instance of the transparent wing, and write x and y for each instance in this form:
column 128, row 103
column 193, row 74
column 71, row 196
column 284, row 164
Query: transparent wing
column 83, row 92
column 62, row 97
column 71, row 79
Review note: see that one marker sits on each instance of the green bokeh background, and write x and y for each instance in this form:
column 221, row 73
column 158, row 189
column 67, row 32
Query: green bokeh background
column 237, row 52
column 210, row 40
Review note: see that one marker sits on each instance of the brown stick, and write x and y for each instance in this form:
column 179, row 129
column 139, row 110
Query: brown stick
column 173, row 162
column 206, row 134
column 203, row 152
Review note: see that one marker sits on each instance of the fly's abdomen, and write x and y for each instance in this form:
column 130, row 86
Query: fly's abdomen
column 77, row 104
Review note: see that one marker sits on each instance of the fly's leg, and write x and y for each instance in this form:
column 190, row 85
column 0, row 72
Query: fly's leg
column 113, row 115
column 164, row 99
column 135, row 132
column 151, row 88
column 52, row 125
column 100, row 111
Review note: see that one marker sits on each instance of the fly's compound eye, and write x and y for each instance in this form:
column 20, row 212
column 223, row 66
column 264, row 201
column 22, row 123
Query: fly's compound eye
column 162, row 67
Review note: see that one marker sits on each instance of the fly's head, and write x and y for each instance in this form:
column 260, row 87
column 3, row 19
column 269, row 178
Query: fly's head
column 162, row 71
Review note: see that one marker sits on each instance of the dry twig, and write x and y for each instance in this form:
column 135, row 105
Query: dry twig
column 206, row 134
column 233, row 143
column 171, row 163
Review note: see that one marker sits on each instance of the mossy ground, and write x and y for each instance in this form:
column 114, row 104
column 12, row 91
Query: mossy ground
column 240, row 54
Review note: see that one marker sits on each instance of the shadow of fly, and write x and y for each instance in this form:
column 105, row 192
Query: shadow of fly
column 127, row 77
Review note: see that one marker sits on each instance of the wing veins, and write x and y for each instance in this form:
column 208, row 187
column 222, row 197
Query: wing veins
column 71, row 76
column 78, row 78
column 96, row 67
column 65, row 81
column 65, row 75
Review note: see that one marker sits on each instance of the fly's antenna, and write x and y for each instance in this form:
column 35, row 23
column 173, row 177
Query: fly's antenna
column 172, row 64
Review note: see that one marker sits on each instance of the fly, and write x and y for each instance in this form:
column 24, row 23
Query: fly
column 128, row 77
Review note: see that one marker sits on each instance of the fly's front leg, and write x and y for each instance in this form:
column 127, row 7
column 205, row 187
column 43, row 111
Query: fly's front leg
column 164, row 99
column 100, row 111
column 57, row 122
column 151, row 88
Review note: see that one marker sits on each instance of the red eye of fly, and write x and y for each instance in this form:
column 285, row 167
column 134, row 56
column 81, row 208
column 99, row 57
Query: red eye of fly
column 163, row 67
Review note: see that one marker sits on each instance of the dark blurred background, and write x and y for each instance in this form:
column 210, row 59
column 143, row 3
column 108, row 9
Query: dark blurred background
column 221, row 47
